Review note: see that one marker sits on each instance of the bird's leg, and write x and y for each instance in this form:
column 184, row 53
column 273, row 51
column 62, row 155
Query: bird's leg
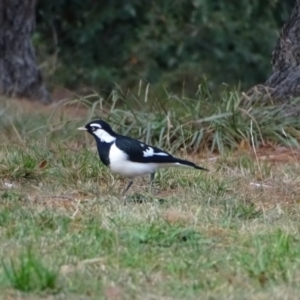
column 152, row 175
column 127, row 188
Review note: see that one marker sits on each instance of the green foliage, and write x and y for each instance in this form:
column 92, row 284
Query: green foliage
column 174, row 43
column 164, row 236
column 178, row 124
column 267, row 263
column 29, row 273
column 195, row 124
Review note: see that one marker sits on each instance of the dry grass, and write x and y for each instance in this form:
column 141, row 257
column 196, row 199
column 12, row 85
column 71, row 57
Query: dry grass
column 232, row 233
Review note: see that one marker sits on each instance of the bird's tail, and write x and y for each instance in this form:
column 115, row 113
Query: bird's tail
column 183, row 162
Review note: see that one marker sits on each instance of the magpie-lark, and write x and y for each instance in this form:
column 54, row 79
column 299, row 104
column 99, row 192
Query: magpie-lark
column 130, row 157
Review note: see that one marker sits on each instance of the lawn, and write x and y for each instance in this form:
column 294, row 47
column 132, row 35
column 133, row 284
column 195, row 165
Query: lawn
column 65, row 232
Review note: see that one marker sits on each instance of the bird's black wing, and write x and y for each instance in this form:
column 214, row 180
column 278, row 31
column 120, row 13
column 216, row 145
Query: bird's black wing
column 143, row 153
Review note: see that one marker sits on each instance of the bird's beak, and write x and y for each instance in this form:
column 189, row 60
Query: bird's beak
column 81, row 128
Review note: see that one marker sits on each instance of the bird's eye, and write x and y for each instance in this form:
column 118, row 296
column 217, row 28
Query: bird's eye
column 93, row 128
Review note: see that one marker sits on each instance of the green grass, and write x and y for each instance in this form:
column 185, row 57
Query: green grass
column 30, row 274
column 65, row 231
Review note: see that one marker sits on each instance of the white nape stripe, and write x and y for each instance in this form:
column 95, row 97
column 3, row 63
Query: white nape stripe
column 103, row 135
column 150, row 152
column 95, row 125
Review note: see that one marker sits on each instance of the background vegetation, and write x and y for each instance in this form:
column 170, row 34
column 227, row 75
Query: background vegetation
column 175, row 43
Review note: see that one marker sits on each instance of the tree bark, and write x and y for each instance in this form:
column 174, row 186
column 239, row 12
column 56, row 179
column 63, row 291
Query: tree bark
column 19, row 74
column 284, row 83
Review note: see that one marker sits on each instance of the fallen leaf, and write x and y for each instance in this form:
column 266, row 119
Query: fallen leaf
column 43, row 164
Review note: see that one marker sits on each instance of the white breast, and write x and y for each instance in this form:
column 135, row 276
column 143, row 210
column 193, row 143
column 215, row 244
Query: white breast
column 120, row 164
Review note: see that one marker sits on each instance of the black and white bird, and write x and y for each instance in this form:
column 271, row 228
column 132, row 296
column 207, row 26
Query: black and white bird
column 130, row 157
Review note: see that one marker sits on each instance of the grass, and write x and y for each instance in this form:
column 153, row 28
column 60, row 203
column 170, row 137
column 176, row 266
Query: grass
column 231, row 233
column 30, row 274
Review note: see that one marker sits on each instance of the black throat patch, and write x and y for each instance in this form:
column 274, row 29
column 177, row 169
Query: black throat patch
column 103, row 151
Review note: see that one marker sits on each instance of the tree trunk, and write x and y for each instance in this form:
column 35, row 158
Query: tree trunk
column 284, row 83
column 19, row 74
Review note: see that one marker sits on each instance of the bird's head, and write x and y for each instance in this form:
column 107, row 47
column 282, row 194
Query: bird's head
column 100, row 130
